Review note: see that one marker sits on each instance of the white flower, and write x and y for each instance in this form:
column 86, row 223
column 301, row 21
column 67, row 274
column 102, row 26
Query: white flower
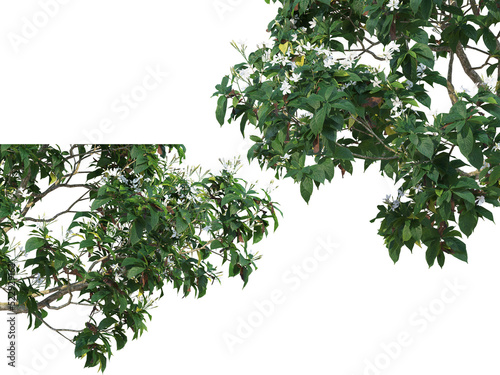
column 420, row 70
column 397, row 107
column 303, row 113
column 376, row 82
column 418, row 188
column 245, row 73
column 38, row 279
column 295, row 77
column 308, row 46
column 409, row 85
column 285, row 87
column 389, row 50
column 312, row 24
column 303, row 29
column 480, row 200
column 328, row 62
column 207, row 228
column 348, row 61
column 266, row 57
column 123, row 180
column 16, row 218
column 293, row 21
column 496, row 147
column 393, row 4
column 294, row 37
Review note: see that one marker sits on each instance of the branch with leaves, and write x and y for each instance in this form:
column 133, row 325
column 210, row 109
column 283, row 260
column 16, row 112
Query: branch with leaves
column 319, row 98
column 141, row 221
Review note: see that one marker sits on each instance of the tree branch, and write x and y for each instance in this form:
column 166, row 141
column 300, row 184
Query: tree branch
column 467, row 66
column 57, row 293
column 449, row 85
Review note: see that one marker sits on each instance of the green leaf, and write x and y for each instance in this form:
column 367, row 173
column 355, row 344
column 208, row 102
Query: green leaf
column 134, row 271
column 220, row 112
column 476, row 157
column 228, row 198
column 489, row 40
column 258, row 233
column 467, row 222
column 99, row 202
column 105, row 323
column 465, row 141
column 406, row 231
column 466, row 195
column 306, row 188
column 394, row 252
column 34, row 243
column 415, row 4
column 432, row 252
column 131, row 261
column 136, row 232
column 426, row 147
column 458, row 248
column 343, row 153
column 314, row 100
column 319, row 119
column 424, row 54
column 494, row 175
column 87, row 243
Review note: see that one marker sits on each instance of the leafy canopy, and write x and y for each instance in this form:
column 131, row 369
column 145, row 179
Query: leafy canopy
column 142, row 221
column 351, row 80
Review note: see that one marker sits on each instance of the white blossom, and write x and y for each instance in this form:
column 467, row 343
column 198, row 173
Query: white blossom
column 420, row 70
column 245, row 73
column 393, row 4
column 480, row 200
column 312, row 24
column 328, row 62
column 308, row 46
column 285, row 87
column 16, row 218
column 348, row 61
column 389, row 50
column 295, row 77
column 376, row 82
column 397, row 107
column 496, row 147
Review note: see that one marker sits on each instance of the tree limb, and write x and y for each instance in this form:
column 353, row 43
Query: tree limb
column 58, row 293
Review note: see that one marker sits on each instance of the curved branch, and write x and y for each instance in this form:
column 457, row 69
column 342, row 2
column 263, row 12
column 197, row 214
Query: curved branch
column 57, row 293
column 467, row 66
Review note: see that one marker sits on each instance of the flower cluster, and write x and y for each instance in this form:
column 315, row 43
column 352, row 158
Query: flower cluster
column 389, row 51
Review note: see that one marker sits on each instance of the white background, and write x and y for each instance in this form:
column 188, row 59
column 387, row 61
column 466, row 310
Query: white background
column 342, row 314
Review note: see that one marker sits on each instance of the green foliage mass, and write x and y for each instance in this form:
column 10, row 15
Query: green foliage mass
column 147, row 222
column 351, row 80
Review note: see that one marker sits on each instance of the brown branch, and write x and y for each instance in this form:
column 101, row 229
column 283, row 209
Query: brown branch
column 370, row 157
column 449, row 85
column 56, row 294
column 467, row 67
